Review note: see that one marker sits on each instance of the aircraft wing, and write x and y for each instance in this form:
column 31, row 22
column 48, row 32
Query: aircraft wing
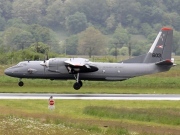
column 79, row 65
column 76, row 61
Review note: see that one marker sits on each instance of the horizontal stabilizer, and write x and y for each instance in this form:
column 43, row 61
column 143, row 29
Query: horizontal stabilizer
column 164, row 62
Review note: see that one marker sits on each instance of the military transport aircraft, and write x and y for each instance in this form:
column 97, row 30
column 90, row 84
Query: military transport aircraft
column 158, row 59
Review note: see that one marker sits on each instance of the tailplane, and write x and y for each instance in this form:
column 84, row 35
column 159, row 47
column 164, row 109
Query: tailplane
column 160, row 51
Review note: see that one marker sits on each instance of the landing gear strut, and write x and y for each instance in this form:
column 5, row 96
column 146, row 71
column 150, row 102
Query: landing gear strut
column 21, row 83
column 78, row 84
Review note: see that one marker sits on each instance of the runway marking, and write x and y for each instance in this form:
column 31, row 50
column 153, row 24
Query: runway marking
column 175, row 97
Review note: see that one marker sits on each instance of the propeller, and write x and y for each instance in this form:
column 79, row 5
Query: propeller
column 45, row 62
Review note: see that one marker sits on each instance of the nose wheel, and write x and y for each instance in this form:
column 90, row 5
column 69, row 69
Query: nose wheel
column 78, row 84
column 21, row 83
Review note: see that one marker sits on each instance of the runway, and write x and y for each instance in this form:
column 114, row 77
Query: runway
column 173, row 97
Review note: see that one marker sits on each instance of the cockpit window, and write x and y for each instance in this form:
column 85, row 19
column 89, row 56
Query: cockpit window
column 21, row 64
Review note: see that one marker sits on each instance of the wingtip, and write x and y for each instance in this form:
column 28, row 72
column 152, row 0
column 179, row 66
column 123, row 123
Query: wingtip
column 166, row 28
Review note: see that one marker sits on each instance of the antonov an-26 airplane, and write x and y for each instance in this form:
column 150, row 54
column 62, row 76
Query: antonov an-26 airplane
column 158, row 59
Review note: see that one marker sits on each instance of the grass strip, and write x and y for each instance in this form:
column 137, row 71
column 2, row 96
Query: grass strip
column 121, row 117
column 170, row 116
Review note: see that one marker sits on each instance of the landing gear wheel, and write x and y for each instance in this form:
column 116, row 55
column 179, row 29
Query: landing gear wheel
column 80, row 82
column 20, row 83
column 77, row 86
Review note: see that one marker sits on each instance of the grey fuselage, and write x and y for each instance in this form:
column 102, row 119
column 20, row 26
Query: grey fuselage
column 105, row 72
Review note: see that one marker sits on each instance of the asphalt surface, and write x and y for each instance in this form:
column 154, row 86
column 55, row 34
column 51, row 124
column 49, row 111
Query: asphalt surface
column 92, row 96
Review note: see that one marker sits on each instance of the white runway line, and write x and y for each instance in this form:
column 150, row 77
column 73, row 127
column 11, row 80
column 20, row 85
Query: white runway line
column 171, row 97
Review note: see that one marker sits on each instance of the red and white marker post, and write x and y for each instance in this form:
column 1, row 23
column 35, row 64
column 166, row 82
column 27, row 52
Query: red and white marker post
column 51, row 104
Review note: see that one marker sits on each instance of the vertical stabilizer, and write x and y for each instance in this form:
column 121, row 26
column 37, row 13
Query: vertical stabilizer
column 161, row 49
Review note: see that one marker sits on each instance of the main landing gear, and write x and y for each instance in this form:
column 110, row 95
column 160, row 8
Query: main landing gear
column 20, row 83
column 78, row 84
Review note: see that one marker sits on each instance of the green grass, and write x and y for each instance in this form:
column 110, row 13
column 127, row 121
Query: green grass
column 168, row 116
column 92, row 116
column 14, row 126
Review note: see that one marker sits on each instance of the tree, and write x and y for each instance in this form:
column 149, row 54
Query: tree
column 71, row 45
column 91, row 42
column 16, row 38
column 29, row 11
column 41, row 48
column 146, row 29
column 121, row 36
column 76, row 23
column 2, row 23
column 20, row 38
column 5, row 9
column 111, row 22
column 124, row 51
column 125, row 11
column 175, row 19
column 45, row 35
column 23, row 39
column 114, row 52
column 55, row 15
column 96, row 11
column 39, row 33
column 15, row 22
column 176, row 42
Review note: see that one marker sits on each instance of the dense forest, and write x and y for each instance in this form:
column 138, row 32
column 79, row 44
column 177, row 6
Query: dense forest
column 30, row 29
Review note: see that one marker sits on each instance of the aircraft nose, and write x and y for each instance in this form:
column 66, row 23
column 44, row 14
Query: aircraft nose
column 8, row 72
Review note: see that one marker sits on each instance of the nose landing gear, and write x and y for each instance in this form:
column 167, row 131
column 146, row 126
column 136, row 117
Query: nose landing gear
column 20, row 83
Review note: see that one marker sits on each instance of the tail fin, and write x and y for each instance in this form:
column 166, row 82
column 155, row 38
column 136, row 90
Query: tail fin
column 160, row 50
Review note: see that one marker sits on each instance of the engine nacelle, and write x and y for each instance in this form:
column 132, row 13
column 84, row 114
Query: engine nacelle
column 57, row 65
